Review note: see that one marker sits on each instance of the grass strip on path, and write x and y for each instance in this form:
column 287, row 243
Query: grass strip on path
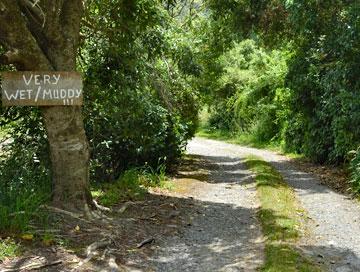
column 281, row 220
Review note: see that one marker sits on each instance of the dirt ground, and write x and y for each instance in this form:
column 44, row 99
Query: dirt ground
column 122, row 232
column 161, row 214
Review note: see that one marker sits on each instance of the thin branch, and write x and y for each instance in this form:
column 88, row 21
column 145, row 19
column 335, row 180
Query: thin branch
column 35, row 11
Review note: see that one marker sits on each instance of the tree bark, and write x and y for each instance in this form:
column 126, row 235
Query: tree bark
column 69, row 156
column 44, row 36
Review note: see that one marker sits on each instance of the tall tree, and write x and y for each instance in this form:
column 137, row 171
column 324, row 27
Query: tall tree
column 43, row 35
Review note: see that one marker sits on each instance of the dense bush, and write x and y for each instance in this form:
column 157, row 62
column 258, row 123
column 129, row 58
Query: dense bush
column 131, row 126
column 251, row 97
column 355, row 169
column 308, row 104
column 322, row 76
column 139, row 107
column 24, row 176
column 308, row 100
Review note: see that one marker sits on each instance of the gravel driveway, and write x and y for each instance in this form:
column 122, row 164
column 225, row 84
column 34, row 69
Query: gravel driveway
column 225, row 235
column 335, row 230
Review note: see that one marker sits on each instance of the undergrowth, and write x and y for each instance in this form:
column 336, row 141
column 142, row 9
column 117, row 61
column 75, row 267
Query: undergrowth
column 24, row 185
column 206, row 130
column 8, row 248
column 355, row 171
column 133, row 184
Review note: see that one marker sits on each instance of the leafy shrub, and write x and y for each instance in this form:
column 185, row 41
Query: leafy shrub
column 329, row 104
column 24, row 185
column 221, row 118
column 131, row 121
column 355, row 171
column 132, row 185
column 139, row 104
column 8, row 248
column 291, row 133
column 251, row 90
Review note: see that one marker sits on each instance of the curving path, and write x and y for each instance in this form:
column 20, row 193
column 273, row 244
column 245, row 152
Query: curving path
column 335, row 232
column 224, row 234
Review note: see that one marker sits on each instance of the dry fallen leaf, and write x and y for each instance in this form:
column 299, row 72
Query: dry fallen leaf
column 27, row 236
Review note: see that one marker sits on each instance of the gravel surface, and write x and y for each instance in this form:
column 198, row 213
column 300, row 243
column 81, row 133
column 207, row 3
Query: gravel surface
column 335, row 230
column 225, row 234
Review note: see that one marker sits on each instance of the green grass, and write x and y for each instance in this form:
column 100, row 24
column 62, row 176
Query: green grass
column 8, row 248
column 245, row 140
column 133, row 184
column 19, row 208
column 241, row 139
column 281, row 220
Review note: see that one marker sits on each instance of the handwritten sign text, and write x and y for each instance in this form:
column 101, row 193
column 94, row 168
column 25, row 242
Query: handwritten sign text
column 41, row 88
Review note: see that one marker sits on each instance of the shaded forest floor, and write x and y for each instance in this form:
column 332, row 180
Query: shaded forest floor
column 131, row 231
column 122, row 231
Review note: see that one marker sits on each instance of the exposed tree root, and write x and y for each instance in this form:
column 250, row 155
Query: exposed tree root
column 32, row 266
column 101, row 208
column 91, row 252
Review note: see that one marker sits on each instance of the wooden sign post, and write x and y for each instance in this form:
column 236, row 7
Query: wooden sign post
column 41, row 88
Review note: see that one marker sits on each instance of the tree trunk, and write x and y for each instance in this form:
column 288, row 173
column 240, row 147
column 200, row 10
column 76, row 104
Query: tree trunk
column 44, row 36
column 69, row 156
